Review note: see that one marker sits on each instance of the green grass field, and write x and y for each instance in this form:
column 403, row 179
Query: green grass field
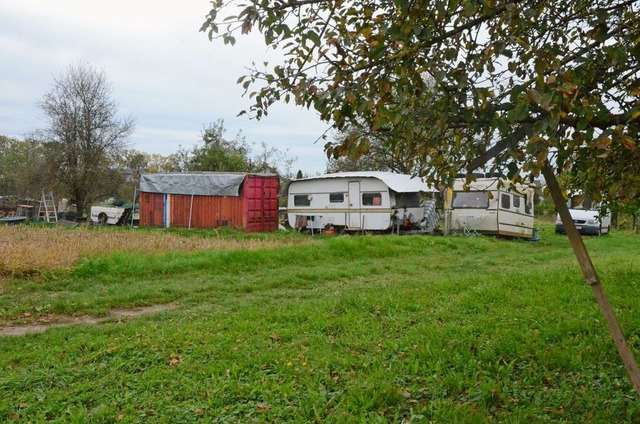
column 344, row 329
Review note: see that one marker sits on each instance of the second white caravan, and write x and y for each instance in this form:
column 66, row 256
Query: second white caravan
column 490, row 205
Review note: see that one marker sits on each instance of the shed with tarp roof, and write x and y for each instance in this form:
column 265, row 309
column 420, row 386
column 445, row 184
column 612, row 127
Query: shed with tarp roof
column 247, row 201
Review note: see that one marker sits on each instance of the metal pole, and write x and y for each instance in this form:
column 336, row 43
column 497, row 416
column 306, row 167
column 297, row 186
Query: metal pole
column 133, row 205
column 190, row 211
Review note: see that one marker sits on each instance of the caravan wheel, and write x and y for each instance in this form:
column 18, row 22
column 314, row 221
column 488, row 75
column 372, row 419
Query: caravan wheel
column 102, row 218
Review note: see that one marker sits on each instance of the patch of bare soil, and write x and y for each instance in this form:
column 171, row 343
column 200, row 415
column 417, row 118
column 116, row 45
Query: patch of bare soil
column 52, row 321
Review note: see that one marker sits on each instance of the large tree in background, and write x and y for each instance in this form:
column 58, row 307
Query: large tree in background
column 533, row 86
column 84, row 134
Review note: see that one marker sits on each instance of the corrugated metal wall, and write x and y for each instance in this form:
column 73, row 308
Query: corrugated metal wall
column 256, row 209
column 205, row 211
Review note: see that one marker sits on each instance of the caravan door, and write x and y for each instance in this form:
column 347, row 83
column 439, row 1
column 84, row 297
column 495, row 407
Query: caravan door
column 354, row 205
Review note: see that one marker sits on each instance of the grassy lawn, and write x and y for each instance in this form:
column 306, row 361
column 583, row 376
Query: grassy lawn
column 342, row 329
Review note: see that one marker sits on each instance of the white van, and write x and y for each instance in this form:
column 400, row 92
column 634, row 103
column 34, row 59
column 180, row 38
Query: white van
column 586, row 217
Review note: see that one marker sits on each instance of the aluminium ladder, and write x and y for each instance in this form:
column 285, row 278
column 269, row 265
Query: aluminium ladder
column 47, row 211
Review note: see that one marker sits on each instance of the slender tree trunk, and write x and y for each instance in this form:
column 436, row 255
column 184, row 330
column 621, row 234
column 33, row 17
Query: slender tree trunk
column 591, row 277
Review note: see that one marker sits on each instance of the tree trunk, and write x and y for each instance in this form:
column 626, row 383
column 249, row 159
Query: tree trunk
column 591, row 276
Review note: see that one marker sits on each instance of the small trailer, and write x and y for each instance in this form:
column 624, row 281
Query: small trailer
column 361, row 201
column 113, row 215
column 490, row 205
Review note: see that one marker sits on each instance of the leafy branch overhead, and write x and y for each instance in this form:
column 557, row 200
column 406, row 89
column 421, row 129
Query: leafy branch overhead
column 459, row 83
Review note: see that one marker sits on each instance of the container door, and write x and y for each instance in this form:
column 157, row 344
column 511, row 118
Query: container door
column 260, row 197
column 354, row 205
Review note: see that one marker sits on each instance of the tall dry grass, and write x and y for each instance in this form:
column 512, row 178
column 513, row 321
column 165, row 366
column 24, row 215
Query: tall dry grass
column 33, row 250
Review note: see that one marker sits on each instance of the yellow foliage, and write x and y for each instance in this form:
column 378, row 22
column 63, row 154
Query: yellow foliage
column 35, row 250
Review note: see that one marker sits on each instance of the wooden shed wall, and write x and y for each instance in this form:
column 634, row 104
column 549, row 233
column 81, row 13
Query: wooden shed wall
column 151, row 209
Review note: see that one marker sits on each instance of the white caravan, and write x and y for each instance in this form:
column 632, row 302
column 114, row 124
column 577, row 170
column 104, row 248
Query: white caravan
column 361, row 201
column 490, row 206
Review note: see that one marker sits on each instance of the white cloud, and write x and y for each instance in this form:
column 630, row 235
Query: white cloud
column 165, row 73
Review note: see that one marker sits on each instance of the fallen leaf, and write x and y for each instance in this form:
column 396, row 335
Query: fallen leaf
column 274, row 337
column 262, row 407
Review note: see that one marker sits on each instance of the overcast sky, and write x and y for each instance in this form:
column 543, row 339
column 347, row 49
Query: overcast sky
column 164, row 72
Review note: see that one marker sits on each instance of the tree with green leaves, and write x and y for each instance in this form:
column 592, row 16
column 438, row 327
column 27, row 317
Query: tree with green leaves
column 84, row 135
column 22, row 168
column 156, row 162
column 527, row 87
column 218, row 153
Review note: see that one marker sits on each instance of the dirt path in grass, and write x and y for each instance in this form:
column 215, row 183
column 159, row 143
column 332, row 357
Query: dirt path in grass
column 52, row 321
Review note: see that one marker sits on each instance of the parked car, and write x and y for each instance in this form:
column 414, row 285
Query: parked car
column 115, row 215
column 586, row 217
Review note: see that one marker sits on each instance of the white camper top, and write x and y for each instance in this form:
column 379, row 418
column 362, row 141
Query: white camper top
column 400, row 183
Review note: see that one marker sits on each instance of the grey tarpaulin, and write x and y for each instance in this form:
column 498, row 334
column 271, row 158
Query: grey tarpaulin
column 204, row 184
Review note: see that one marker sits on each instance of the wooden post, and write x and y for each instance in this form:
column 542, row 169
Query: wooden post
column 591, row 277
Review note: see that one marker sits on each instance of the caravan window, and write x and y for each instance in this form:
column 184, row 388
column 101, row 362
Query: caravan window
column 527, row 205
column 470, row 199
column 505, row 201
column 336, row 197
column 371, row 199
column 516, row 202
column 302, row 200
column 407, row 200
